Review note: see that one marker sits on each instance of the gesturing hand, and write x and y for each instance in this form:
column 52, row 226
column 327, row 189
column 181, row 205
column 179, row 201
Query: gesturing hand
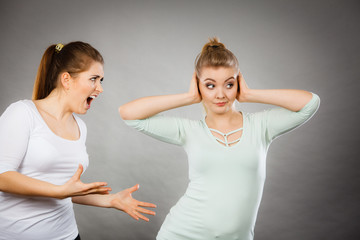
column 75, row 187
column 243, row 88
column 194, row 89
column 125, row 202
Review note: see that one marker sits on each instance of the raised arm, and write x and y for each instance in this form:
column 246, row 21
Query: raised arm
column 148, row 106
column 291, row 99
column 296, row 107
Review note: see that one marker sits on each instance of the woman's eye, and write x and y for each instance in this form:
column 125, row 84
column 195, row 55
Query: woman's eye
column 93, row 79
column 230, row 85
column 101, row 80
column 210, row 86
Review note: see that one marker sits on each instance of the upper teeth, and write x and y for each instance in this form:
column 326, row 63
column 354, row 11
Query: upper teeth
column 92, row 96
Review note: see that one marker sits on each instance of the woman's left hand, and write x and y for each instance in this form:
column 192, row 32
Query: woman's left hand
column 243, row 89
column 125, row 202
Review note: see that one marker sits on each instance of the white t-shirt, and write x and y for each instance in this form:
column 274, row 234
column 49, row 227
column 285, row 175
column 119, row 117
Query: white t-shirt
column 28, row 146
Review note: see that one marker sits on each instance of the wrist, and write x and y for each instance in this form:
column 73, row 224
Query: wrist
column 245, row 95
column 58, row 191
column 191, row 98
column 111, row 201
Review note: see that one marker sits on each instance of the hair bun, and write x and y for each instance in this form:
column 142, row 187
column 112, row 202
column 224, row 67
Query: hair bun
column 213, row 45
column 215, row 54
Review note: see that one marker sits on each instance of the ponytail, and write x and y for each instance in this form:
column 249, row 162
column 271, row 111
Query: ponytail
column 42, row 86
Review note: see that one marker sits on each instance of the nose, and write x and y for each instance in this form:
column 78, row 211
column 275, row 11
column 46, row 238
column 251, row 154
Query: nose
column 220, row 93
column 99, row 88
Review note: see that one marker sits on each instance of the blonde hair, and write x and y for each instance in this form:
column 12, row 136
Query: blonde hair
column 215, row 54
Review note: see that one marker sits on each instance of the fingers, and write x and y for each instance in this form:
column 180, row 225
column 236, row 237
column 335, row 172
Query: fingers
column 102, row 190
column 136, row 215
column 141, row 217
column 133, row 215
column 134, row 188
column 146, row 211
column 78, row 172
column 96, row 188
column 146, row 204
column 194, row 77
column 95, row 185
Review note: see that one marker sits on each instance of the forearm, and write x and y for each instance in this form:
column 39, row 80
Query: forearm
column 93, row 200
column 17, row 183
column 291, row 99
column 148, row 106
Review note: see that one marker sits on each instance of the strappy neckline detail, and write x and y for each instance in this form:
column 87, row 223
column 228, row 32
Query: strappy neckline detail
column 225, row 135
column 222, row 143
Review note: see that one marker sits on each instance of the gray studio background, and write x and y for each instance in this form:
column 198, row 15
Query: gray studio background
column 312, row 186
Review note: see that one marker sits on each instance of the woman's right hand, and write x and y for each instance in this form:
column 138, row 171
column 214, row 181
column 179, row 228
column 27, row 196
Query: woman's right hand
column 75, row 187
column 194, row 92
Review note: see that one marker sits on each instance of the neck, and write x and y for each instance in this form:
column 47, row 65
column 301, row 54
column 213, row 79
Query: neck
column 55, row 105
column 231, row 117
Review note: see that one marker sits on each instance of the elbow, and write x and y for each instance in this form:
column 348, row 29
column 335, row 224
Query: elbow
column 121, row 112
column 124, row 113
column 305, row 100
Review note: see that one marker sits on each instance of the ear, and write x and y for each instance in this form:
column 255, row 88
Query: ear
column 65, row 80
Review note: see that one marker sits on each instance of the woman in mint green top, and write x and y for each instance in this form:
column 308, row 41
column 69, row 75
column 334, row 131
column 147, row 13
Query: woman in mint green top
column 226, row 150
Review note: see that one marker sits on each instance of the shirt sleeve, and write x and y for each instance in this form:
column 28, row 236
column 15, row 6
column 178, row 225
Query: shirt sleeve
column 166, row 129
column 14, row 136
column 281, row 120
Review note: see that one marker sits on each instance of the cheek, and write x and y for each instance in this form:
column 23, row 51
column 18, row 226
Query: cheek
column 231, row 93
column 87, row 87
column 206, row 94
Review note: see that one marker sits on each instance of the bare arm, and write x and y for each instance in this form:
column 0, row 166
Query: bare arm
column 291, row 99
column 17, row 183
column 121, row 200
column 148, row 106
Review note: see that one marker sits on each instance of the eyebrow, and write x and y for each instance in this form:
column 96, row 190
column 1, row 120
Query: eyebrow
column 210, row 79
column 97, row 76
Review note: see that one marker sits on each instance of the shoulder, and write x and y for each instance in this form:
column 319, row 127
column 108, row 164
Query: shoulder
column 255, row 116
column 190, row 123
column 21, row 108
column 256, row 120
column 18, row 115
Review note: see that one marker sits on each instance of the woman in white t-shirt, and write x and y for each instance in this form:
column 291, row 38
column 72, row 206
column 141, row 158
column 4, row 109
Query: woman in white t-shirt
column 43, row 152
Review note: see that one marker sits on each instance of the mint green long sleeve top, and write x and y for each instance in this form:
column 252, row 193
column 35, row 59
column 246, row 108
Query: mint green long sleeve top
column 226, row 183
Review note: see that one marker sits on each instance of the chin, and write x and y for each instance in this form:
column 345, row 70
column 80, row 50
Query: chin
column 81, row 112
column 219, row 111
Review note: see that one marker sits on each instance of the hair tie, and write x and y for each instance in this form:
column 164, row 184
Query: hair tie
column 58, row 47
